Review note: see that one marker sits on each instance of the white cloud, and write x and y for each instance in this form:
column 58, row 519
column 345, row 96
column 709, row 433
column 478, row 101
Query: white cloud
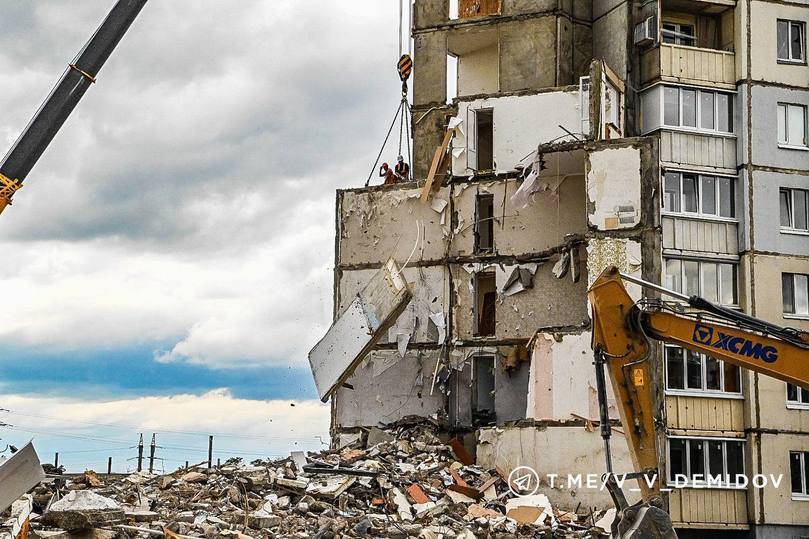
column 182, row 423
column 190, row 197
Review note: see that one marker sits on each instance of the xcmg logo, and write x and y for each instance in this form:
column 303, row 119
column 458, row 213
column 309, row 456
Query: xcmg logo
column 736, row 345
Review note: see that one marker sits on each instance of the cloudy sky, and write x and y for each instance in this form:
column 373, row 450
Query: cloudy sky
column 168, row 264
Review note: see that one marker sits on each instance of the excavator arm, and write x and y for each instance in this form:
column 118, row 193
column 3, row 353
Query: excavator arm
column 622, row 328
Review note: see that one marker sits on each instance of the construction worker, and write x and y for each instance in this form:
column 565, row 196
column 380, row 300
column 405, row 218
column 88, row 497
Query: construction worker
column 386, row 172
column 402, row 169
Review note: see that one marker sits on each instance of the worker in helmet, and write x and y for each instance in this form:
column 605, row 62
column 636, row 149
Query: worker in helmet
column 386, row 172
column 402, row 169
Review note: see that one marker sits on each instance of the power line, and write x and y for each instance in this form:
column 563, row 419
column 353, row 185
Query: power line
column 141, row 427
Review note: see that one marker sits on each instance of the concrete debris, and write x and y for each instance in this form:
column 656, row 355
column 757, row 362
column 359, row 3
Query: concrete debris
column 18, row 474
column 404, row 480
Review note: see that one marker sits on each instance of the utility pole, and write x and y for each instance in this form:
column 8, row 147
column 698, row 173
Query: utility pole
column 152, row 448
column 56, row 460
column 109, row 466
column 140, row 453
column 210, row 451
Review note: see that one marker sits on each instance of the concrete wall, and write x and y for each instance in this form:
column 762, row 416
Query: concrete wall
column 776, row 505
column 556, row 450
column 521, row 123
column 768, row 269
column 430, row 68
column 551, row 216
column 551, row 301
column 374, row 225
column 430, row 288
column 764, row 43
column 527, row 58
column 766, row 151
column 768, row 234
column 479, row 71
column 388, row 387
column 614, row 187
column 611, row 19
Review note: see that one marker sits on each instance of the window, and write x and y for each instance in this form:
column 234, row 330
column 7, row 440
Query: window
column 714, row 281
column 679, row 34
column 791, row 41
column 699, row 109
column 797, row 397
column 484, row 224
column 794, row 209
column 799, row 473
column 795, row 294
column 483, row 411
column 713, row 196
column 485, row 139
column 485, row 301
column 691, row 371
column 708, row 462
column 791, row 125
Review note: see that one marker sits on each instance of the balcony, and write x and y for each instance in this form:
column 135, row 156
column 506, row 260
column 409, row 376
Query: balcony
column 708, row 508
column 689, row 65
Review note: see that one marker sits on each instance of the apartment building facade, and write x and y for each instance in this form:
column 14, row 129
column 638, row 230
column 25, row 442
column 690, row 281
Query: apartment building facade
column 667, row 137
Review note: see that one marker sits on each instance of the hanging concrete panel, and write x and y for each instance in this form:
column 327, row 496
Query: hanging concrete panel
column 19, row 474
column 358, row 329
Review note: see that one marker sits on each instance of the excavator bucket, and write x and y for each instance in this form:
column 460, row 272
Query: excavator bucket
column 643, row 520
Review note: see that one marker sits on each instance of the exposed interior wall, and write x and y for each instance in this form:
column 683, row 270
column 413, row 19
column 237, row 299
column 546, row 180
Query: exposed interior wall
column 540, row 226
column 429, row 126
column 551, row 301
column 388, row 387
column 614, row 188
column 521, row 123
column 374, row 225
column 429, row 286
column 556, row 450
column 562, row 384
column 478, row 71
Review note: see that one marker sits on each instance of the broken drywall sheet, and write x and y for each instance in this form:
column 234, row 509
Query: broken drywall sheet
column 614, row 188
column 335, row 357
column 625, row 254
column 440, row 324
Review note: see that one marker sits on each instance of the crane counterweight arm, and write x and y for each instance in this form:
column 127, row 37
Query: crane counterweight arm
column 67, row 93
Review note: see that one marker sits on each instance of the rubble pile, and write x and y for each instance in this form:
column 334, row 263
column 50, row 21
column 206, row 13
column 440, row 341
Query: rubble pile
column 403, row 482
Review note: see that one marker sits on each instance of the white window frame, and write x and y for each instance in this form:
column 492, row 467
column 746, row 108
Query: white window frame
column 701, row 274
column 790, row 59
column 698, row 213
column 790, row 144
column 802, row 496
column 698, row 108
column 792, row 316
column 703, row 484
column 798, row 404
column 791, row 229
column 704, row 392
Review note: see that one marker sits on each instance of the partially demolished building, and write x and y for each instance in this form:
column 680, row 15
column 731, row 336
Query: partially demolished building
column 586, row 134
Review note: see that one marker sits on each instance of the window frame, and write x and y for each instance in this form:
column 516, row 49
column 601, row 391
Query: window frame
column 699, row 214
column 788, row 144
column 727, row 485
column 719, row 289
column 793, row 315
column 678, row 30
column 792, row 229
column 697, row 110
column 796, row 404
column 804, row 495
column 790, row 60
column 703, row 392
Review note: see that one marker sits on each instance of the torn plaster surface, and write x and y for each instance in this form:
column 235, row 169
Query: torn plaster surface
column 555, row 450
column 562, row 383
column 360, row 325
column 541, row 225
column 551, row 302
column 429, row 286
column 377, row 225
column 521, row 123
column 623, row 253
column 388, row 387
column 614, row 188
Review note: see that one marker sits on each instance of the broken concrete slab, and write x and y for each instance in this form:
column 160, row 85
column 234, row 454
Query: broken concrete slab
column 358, row 328
column 83, row 510
column 19, row 474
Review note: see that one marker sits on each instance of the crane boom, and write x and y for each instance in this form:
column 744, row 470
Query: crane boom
column 67, row 93
column 621, row 329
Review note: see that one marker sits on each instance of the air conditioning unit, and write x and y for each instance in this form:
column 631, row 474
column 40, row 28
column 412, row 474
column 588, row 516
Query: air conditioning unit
column 646, row 32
